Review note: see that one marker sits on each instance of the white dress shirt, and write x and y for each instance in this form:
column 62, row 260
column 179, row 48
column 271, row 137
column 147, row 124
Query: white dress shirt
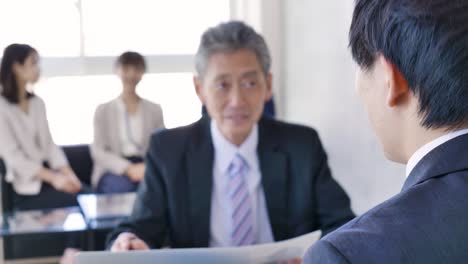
column 130, row 130
column 424, row 150
column 221, row 222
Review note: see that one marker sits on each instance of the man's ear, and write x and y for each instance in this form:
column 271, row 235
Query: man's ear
column 269, row 86
column 396, row 83
column 197, row 83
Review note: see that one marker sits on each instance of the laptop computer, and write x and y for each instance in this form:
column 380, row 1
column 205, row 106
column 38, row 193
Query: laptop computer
column 166, row 256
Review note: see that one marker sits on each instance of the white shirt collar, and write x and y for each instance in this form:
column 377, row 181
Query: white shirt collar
column 225, row 150
column 424, row 150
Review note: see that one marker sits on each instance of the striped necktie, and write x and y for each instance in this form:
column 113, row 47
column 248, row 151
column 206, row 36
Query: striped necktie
column 241, row 214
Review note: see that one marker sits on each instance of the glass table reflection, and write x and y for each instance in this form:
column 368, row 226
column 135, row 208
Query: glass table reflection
column 95, row 216
column 103, row 211
column 67, row 219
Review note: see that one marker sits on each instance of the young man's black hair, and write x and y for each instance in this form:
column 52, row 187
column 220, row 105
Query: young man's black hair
column 427, row 41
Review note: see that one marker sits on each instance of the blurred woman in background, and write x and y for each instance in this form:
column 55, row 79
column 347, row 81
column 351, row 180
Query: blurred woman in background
column 37, row 168
column 122, row 131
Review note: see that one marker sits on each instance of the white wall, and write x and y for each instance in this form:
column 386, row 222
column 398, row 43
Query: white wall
column 267, row 17
column 319, row 91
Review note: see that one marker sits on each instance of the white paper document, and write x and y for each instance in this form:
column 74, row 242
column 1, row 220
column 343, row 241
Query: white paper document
column 257, row 254
column 275, row 252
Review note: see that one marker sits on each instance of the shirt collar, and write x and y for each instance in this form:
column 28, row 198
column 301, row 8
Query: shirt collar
column 225, row 150
column 424, row 150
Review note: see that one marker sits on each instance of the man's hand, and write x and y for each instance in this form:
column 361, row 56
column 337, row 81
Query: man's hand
column 136, row 172
column 128, row 241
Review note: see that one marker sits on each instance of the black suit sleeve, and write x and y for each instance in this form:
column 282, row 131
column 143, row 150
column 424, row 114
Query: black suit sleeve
column 149, row 217
column 332, row 203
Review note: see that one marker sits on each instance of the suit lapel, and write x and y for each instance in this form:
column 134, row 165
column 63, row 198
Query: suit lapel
column 273, row 165
column 200, row 182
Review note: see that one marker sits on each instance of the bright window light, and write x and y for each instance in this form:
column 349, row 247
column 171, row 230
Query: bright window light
column 71, row 101
column 50, row 26
column 148, row 26
column 78, row 41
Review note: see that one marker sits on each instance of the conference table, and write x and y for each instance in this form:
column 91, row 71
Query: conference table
column 95, row 213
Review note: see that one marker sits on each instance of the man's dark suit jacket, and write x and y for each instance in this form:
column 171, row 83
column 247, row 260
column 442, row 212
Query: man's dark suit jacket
column 426, row 223
column 174, row 200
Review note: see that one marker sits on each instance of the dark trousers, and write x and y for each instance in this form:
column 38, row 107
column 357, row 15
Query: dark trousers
column 47, row 198
column 114, row 183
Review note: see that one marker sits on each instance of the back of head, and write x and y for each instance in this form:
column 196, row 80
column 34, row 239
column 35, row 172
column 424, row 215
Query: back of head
column 14, row 53
column 229, row 37
column 427, row 41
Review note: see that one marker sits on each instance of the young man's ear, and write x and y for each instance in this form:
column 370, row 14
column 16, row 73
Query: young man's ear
column 396, row 83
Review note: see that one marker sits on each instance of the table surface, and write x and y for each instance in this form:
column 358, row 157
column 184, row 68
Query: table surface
column 98, row 211
column 106, row 206
column 69, row 219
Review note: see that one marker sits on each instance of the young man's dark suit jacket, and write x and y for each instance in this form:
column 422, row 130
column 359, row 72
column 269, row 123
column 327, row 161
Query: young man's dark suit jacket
column 175, row 197
column 426, row 223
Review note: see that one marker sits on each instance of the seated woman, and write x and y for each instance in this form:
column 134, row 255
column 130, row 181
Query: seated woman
column 122, row 130
column 37, row 168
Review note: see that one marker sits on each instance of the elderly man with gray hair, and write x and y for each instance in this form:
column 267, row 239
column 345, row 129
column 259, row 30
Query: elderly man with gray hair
column 232, row 178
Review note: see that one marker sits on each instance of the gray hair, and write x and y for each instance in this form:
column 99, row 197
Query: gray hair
column 229, row 37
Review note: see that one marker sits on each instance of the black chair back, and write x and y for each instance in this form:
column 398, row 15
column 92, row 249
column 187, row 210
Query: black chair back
column 79, row 158
column 6, row 189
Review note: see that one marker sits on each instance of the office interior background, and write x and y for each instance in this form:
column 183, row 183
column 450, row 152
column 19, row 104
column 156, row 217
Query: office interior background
column 78, row 41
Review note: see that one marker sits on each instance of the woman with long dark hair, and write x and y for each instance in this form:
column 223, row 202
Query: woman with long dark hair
column 37, row 168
